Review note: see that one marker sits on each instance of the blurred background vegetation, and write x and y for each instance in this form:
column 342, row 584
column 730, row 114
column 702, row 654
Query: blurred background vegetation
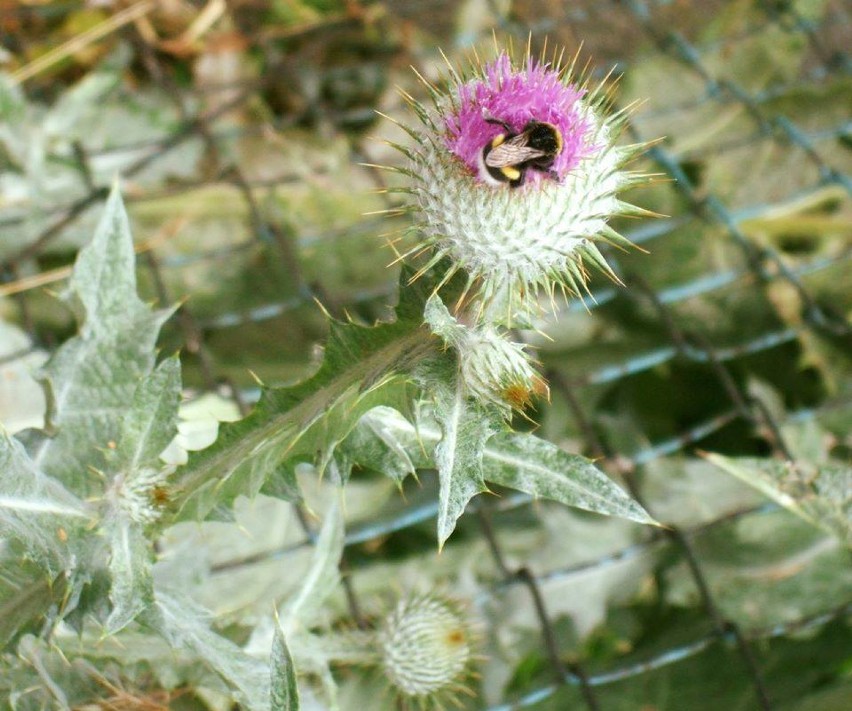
column 244, row 133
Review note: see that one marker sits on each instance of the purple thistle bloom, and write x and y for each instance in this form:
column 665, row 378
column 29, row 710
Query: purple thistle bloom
column 535, row 227
column 535, row 93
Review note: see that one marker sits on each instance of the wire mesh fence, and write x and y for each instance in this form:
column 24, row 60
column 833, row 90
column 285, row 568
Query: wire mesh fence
column 747, row 276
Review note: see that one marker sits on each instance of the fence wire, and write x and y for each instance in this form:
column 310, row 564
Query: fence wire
column 761, row 265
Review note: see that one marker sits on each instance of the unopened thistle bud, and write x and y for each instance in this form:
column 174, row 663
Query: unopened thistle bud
column 426, row 648
column 515, row 176
column 141, row 495
column 494, row 370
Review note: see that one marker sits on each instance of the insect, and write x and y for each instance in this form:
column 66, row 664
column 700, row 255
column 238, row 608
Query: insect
column 508, row 155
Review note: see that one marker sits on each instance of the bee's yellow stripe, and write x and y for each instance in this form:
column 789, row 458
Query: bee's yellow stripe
column 558, row 141
column 510, row 172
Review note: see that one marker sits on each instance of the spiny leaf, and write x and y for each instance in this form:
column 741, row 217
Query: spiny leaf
column 514, row 460
column 186, row 627
column 151, row 422
column 282, row 483
column 35, row 508
column 465, row 427
column 325, row 437
column 357, row 373
column 299, row 613
column 131, row 590
column 379, row 443
column 92, row 377
column 323, row 576
column 107, row 413
column 147, row 427
column 39, row 676
column 541, row 469
column 820, row 494
column 26, row 594
column 284, row 693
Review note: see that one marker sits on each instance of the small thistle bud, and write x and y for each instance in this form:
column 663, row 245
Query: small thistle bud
column 493, row 369
column 498, row 371
column 143, row 496
column 515, row 177
column 426, row 648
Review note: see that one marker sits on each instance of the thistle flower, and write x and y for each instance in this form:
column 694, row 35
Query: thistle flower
column 426, row 646
column 529, row 220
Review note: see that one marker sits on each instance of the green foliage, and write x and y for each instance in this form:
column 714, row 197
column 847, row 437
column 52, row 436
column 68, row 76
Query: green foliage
column 148, row 427
column 34, row 506
column 465, row 428
column 821, row 494
column 365, row 372
column 186, row 626
column 303, row 610
column 284, row 690
column 361, row 369
column 110, row 414
column 91, row 377
column 387, row 442
column 541, row 469
column 26, row 592
column 88, row 495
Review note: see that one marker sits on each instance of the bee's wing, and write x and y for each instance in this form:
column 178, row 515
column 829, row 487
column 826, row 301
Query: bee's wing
column 511, row 153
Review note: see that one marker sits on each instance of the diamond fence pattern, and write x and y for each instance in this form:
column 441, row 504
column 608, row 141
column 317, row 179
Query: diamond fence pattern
column 816, row 152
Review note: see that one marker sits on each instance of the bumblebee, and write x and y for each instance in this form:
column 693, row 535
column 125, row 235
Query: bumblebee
column 508, row 155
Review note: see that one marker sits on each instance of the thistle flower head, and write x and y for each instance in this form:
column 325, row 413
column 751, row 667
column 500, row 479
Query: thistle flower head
column 516, row 98
column 515, row 176
column 426, row 648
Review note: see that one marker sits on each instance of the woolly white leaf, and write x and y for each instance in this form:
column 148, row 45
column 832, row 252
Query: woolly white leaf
column 523, row 462
column 34, row 508
column 129, row 567
column 146, row 429
column 381, row 446
column 186, row 627
column 541, row 469
column 465, row 428
column 324, row 574
column 151, row 423
column 93, row 376
column 819, row 494
column 284, row 690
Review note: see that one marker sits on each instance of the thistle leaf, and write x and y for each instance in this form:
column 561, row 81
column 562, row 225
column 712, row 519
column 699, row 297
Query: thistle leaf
column 541, row 469
column 131, row 590
column 91, row 378
column 361, row 369
column 323, row 576
column 26, row 594
column 382, row 441
column 300, row 612
column 151, row 422
column 284, row 692
column 465, row 428
column 514, row 460
column 35, row 508
column 186, row 626
column 108, row 419
column 819, row 494
column 146, row 429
